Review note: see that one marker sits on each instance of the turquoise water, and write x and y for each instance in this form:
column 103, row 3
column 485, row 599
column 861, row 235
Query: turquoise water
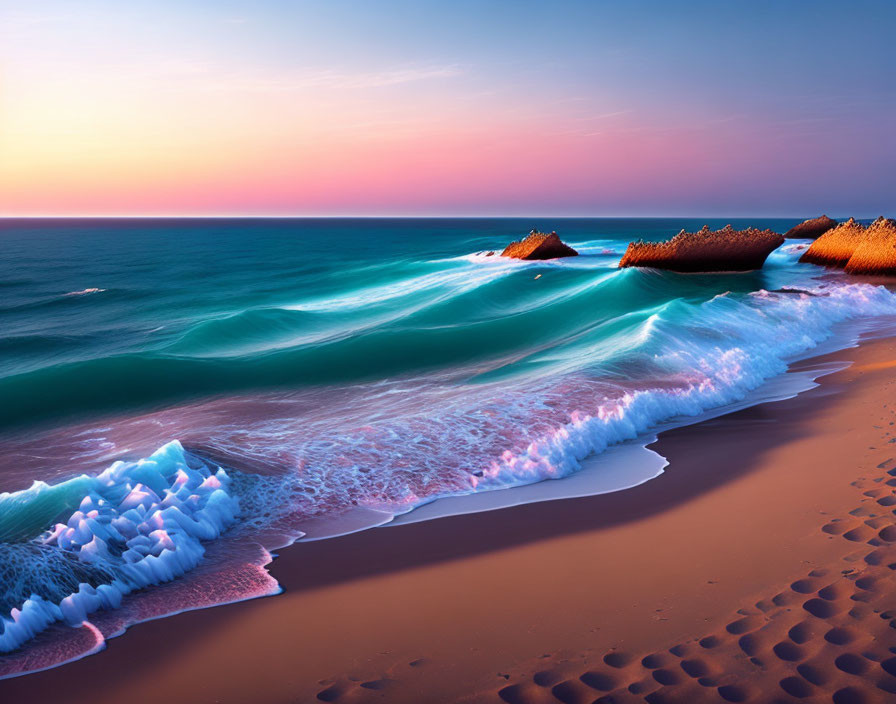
column 334, row 368
column 191, row 308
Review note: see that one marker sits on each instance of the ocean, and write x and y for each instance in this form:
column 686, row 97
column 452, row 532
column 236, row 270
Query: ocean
column 179, row 398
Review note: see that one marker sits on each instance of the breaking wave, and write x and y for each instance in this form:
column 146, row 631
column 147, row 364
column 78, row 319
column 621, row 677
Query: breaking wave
column 134, row 525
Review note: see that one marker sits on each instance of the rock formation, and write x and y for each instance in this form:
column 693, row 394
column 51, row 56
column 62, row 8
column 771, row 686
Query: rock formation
column 876, row 253
column 539, row 245
column 707, row 250
column 836, row 246
column 811, row 229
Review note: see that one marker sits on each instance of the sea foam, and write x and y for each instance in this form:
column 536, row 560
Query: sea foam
column 391, row 447
column 714, row 358
column 134, row 525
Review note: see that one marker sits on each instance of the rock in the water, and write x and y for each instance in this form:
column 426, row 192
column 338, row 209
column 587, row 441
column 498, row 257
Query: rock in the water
column 539, row 245
column 811, row 229
column 836, row 246
column 876, row 253
column 704, row 251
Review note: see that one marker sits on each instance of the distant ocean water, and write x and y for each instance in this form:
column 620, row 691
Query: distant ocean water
column 178, row 397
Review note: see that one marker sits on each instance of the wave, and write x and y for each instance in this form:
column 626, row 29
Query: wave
column 85, row 291
column 593, row 254
column 487, row 318
column 394, row 319
column 733, row 349
column 390, row 445
column 47, row 301
column 450, row 281
column 473, row 316
column 446, row 440
column 134, row 525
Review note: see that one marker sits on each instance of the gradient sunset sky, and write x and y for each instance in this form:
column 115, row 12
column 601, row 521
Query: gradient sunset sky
column 447, row 108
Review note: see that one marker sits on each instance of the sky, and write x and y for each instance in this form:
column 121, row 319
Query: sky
column 604, row 108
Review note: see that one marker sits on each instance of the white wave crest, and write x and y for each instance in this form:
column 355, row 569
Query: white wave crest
column 137, row 524
column 731, row 348
column 84, row 292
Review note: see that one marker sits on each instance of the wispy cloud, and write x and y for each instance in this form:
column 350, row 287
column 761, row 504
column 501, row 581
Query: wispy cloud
column 328, row 79
column 603, row 115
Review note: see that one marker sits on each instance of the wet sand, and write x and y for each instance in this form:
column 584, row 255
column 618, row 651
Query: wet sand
column 755, row 569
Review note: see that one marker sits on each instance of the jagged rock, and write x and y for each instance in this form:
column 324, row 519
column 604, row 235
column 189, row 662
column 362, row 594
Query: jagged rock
column 876, row 253
column 707, row 250
column 539, row 245
column 836, row 246
column 811, row 229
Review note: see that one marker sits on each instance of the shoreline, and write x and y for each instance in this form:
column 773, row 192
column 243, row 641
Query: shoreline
column 430, row 566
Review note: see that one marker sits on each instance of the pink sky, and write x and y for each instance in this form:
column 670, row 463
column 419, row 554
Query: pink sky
column 202, row 112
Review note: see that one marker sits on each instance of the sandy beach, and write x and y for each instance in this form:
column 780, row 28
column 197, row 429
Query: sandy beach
column 756, row 568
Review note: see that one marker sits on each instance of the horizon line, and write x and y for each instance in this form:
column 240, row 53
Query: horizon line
column 246, row 216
